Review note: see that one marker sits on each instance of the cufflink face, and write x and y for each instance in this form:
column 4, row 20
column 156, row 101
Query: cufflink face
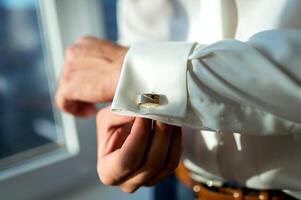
column 148, row 100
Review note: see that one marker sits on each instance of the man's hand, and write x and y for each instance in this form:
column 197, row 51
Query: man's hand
column 91, row 73
column 131, row 154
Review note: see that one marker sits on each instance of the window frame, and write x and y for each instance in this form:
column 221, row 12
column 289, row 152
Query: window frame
column 71, row 145
column 70, row 166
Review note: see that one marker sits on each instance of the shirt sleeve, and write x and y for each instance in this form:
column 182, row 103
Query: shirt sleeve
column 143, row 20
column 230, row 86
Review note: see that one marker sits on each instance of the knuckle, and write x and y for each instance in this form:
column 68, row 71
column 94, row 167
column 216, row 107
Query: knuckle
column 66, row 78
column 106, row 180
column 58, row 95
column 73, row 50
column 129, row 189
column 60, row 99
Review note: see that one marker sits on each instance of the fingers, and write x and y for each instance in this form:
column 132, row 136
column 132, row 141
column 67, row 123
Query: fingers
column 77, row 108
column 131, row 155
column 107, row 120
column 154, row 158
column 76, row 93
column 89, row 76
column 76, row 90
column 173, row 157
column 112, row 130
column 115, row 166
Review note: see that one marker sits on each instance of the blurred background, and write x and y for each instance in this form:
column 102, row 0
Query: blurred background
column 45, row 154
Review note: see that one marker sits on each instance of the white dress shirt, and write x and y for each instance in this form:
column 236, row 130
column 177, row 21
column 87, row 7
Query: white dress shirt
column 233, row 83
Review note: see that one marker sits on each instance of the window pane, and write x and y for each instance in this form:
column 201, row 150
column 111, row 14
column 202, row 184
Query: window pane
column 27, row 120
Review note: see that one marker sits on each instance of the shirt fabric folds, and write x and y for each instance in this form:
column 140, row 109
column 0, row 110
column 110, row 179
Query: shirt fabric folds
column 234, row 84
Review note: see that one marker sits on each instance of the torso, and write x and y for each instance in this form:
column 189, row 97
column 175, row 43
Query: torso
column 255, row 161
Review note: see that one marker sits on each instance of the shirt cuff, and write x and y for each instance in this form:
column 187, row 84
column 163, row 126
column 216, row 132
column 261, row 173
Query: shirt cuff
column 158, row 68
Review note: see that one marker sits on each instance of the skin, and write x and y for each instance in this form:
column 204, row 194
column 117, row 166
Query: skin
column 90, row 65
column 132, row 152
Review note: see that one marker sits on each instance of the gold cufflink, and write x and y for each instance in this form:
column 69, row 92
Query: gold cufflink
column 148, row 100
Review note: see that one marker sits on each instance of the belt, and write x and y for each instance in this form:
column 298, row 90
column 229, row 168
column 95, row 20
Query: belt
column 204, row 192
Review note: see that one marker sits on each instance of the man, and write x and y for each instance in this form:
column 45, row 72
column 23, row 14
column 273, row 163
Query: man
column 237, row 102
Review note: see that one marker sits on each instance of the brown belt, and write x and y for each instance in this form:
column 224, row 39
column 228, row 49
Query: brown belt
column 226, row 193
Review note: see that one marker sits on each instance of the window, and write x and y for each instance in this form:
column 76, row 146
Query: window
column 32, row 131
column 28, row 125
column 47, row 149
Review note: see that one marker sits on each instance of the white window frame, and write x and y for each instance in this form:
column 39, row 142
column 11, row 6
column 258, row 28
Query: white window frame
column 63, row 21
